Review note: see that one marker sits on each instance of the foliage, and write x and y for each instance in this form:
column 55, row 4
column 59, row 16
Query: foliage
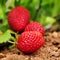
column 5, row 37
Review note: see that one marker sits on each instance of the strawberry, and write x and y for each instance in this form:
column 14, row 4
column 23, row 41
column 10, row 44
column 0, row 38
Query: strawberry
column 30, row 41
column 18, row 18
column 35, row 26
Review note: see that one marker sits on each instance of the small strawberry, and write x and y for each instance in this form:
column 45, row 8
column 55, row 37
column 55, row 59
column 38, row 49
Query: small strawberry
column 18, row 18
column 35, row 26
column 30, row 41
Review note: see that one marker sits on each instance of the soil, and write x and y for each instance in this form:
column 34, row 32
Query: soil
column 50, row 50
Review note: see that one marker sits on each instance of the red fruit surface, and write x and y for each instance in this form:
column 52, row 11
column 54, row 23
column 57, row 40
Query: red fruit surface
column 18, row 18
column 30, row 41
column 35, row 26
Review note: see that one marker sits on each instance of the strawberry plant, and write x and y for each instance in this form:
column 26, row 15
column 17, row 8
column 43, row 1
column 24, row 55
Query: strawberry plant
column 18, row 16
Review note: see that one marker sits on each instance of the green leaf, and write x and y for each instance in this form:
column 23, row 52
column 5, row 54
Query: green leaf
column 2, row 2
column 45, row 20
column 1, row 13
column 56, row 8
column 5, row 37
column 17, row 2
column 35, row 4
column 45, row 2
column 3, row 27
column 24, row 3
column 9, row 3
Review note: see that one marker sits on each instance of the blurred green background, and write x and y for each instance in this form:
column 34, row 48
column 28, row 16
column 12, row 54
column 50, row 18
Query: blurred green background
column 46, row 12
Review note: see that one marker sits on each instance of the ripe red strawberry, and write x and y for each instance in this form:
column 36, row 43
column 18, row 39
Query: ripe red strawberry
column 35, row 26
column 18, row 18
column 30, row 41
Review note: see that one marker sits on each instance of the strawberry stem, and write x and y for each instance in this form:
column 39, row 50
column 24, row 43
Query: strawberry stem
column 11, row 42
